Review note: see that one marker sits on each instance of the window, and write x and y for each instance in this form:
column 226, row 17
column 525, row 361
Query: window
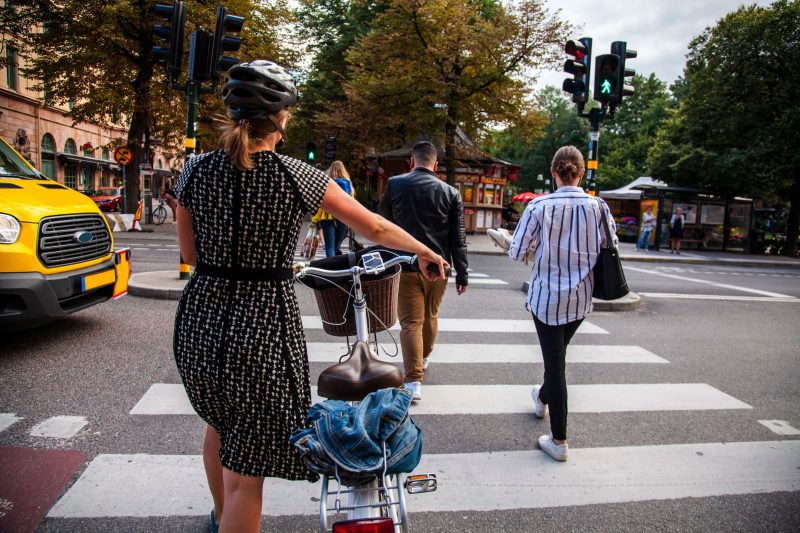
column 71, row 104
column 70, row 147
column 69, row 175
column 105, row 154
column 87, row 178
column 48, row 149
column 12, row 69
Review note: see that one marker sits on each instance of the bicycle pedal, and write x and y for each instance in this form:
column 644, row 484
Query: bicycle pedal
column 420, row 483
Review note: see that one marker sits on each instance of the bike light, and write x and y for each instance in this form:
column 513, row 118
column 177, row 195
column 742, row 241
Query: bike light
column 9, row 229
column 365, row 525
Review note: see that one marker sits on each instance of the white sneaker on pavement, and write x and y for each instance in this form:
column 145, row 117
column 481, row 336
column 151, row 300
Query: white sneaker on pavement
column 416, row 390
column 425, row 362
column 539, row 409
column 501, row 237
column 559, row 452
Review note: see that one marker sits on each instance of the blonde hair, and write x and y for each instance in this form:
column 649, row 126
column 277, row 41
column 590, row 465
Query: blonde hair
column 239, row 137
column 337, row 170
column 568, row 163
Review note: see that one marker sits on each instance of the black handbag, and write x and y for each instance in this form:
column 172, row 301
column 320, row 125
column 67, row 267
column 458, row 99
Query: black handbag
column 609, row 279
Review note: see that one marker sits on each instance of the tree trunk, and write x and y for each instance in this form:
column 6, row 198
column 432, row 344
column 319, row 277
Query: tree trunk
column 450, row 126
column 793, row 223
column 135, row 133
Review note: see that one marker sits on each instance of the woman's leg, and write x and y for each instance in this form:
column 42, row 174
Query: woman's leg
column 677, row 246
column 341, row 233
column 329, row 234
column 213, row 469
column 554, row 390
column 242, row 503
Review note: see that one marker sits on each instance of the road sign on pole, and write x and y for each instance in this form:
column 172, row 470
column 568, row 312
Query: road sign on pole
column 123, row 155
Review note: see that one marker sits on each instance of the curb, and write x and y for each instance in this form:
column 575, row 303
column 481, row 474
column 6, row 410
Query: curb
column 629, row 302
column 159, row 285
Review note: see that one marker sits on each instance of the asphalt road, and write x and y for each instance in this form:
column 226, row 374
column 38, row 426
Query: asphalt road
column 734, row 329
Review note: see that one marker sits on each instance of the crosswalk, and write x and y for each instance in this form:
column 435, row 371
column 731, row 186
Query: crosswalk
column 163, row 485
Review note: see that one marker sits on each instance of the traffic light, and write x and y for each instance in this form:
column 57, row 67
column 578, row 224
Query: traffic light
column 226, row 23
column 200, row 50
column 580, row 68
column 330, row 147
column 172, row 55
column 606, row 79
column 620, row 48
column 311, row 153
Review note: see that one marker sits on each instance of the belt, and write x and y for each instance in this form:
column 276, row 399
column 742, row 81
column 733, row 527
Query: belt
column 245, row 274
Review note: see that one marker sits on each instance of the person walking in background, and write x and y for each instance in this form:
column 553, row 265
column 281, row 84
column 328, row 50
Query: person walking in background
column 238, row 339
column 648, row 224
column 171, row 201
column 431, row 211
column 676, row 224
column 563, row 231
column 334, row 231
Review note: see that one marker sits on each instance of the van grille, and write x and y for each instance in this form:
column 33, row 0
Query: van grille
column 58, row 245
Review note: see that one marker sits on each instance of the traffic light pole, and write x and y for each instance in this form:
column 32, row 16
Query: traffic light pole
column 595, row 117
column 190, row 145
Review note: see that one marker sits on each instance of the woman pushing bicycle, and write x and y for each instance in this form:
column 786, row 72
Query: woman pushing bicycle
column 238, row 341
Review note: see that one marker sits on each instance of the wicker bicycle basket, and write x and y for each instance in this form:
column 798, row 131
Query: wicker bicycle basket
column 336, row 306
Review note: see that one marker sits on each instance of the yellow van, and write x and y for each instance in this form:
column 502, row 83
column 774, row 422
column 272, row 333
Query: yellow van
column 56, row 250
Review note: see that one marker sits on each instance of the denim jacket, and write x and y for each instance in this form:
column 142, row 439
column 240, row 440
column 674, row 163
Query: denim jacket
column 351, row 437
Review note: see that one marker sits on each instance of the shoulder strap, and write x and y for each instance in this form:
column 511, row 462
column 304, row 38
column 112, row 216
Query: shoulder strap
column 604, row 223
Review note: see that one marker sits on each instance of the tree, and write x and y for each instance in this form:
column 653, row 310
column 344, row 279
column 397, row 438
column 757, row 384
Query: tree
column 97, row 54
column 739, row 110
column 626, row 138
column 432, row 66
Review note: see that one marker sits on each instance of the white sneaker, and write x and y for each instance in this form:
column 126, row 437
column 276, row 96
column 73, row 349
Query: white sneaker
column 559, row 452
column 416, row 390
column 539, row 409
column 425, row 362
column 501, row 237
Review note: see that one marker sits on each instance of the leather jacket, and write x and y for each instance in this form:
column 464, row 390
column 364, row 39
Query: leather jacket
column 431, row 211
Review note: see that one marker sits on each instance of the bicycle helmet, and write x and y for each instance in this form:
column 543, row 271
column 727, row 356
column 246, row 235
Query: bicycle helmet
column 257, row 90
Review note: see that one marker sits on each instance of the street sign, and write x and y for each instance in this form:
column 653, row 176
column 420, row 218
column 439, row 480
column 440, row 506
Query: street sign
column 123, row 155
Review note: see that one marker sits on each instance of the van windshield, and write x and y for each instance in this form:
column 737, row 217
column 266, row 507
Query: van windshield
column 13, row 166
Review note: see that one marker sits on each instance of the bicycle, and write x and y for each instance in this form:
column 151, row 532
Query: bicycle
column 379, row 506
column 160, row 212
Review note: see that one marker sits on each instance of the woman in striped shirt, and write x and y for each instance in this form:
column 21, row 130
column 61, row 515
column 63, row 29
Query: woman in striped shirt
column 563, row 232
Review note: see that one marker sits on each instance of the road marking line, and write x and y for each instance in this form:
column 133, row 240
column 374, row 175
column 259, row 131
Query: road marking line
column 165, row 249
column 330, row 352
column 7, row 420
column 59, row 427
column 142, row 485
column 717, row 297
column 171, row 399
column 781, row 427
column 477, row 325
column 706, row 282
column 471, row 275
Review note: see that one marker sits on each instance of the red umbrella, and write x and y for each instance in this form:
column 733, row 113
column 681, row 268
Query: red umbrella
column 524, row 197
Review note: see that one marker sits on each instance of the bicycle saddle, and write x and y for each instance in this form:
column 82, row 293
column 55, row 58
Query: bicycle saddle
column 359, row 375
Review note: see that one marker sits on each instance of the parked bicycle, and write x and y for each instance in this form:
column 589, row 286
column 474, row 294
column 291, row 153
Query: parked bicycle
column 378, row 506
column 160, row 212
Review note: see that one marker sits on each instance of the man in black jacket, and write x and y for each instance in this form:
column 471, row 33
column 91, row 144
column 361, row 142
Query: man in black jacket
column 431, row 211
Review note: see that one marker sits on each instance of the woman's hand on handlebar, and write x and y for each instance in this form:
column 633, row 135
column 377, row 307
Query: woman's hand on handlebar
column 432, row 266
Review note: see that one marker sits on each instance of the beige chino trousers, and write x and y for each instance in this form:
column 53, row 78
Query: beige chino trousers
column 418, row 311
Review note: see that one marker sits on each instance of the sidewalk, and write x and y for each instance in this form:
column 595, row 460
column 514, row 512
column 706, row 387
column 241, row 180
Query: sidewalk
column 482, row 244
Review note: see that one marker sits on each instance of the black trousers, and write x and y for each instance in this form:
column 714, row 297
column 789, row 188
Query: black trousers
column 554, row 341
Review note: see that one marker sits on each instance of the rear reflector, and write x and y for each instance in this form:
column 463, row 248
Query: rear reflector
column 365, row 525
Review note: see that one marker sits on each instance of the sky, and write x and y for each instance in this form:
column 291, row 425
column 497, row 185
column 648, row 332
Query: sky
column 659, row 30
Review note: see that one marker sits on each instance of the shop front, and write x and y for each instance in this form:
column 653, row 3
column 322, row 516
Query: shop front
column 483, row 198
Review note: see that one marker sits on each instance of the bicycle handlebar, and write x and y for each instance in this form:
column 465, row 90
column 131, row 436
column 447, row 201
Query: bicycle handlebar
column 408, row 259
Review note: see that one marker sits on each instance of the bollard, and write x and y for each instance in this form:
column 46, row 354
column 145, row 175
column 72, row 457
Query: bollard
column 184, row 270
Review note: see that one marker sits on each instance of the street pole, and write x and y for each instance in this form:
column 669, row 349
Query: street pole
column 595, row 117
column 189, row 144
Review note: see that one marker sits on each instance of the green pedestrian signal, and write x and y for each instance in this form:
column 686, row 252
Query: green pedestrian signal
column 606, row 79
column 311, row 152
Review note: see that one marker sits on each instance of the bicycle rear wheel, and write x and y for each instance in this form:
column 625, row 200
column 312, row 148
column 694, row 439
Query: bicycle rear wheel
column 159, row 215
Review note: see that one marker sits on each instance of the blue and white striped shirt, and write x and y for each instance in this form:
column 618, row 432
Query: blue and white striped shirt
column 563, row 229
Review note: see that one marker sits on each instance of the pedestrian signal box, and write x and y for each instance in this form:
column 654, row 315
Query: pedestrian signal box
column 606, row 79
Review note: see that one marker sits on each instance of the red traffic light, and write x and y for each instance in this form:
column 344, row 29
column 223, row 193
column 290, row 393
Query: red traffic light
column 575, row 48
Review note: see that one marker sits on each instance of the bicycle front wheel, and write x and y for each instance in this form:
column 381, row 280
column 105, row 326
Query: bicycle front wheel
column 159, row 215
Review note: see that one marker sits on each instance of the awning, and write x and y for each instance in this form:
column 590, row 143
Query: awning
column 83, row 160
column 162, row 172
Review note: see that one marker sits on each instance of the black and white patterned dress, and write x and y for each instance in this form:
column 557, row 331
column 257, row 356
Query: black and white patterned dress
column 239, row 345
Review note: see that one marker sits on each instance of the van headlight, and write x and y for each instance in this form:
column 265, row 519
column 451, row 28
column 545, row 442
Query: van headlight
column 9, row 229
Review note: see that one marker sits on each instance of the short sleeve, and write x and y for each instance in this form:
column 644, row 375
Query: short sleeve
column 311, row 182
column 183, row 186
